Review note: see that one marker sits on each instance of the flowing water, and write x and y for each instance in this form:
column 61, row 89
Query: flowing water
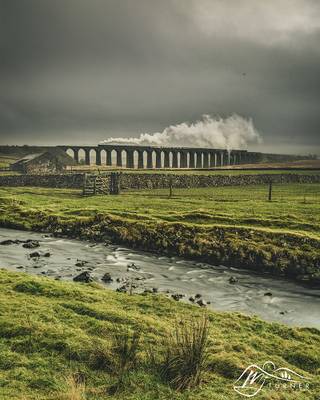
column 272, row 299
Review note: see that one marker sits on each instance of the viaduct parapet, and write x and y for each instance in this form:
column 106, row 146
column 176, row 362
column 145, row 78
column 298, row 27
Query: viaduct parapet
column 160, row 157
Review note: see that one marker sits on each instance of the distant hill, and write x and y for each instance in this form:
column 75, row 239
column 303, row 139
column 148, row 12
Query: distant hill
column 9, row 154
column 21, row 151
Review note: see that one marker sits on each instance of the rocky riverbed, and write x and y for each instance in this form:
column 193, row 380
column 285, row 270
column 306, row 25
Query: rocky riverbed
column 122, row 269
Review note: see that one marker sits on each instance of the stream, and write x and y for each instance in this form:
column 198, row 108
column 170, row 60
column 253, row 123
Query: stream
column 271, row 298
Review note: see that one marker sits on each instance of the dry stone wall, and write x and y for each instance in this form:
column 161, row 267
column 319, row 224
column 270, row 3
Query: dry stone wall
column 138, row 181
column 158, row 181
column 71, row 181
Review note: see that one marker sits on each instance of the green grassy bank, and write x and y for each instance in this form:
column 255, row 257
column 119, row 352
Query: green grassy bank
column 234, row 226
column 51, row 331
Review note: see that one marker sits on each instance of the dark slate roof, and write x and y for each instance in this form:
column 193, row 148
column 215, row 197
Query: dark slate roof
column 61, row 155
column 27, row 158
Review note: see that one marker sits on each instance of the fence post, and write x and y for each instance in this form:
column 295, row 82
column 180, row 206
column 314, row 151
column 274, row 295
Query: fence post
column 115, row 182
column 270, row 191
column 111, row 182
column 84, row 183
column 118, row 183
column 95, row 186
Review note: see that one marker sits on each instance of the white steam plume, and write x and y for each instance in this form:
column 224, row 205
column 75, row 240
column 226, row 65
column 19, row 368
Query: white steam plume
column 234, row 132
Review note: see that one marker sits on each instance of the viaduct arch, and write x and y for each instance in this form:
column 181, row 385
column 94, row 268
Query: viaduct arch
column 160, row 157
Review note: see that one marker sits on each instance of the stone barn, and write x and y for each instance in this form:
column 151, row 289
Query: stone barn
column 50, row 161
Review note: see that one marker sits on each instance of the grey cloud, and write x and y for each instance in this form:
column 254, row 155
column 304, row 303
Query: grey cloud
column 83, row 70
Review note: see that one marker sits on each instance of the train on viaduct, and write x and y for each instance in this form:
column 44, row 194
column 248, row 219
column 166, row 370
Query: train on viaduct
column 130, row 156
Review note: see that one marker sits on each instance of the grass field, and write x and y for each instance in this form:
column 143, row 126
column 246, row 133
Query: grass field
column 54, row 334
column 232, row 225
column 5, row 161
column 294, row 207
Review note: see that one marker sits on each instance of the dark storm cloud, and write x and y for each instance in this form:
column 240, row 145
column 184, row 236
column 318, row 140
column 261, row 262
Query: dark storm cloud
column 83, row 70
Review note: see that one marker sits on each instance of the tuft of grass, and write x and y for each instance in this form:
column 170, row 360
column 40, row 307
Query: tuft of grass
column 187, row 354
column 125, row 355
column 101, row 358
column 75, row 389
column 126, row 347
column 118, row 356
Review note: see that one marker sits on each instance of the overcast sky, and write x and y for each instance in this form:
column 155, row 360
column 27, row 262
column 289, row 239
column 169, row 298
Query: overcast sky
column 80, row 71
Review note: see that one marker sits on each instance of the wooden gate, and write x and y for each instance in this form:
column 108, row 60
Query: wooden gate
column 96, row 184
column 101, row 184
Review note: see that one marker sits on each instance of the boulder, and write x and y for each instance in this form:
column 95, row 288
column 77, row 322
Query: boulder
column 8, row 242
column 81, row 263
column 107, row 278
column 202, row 303
column 133, row 267
column 268, row 294
column 34, row 254
column 83, row 277
column 31, row 244
column 122, row 289
column 177, row 296
column 233, row 280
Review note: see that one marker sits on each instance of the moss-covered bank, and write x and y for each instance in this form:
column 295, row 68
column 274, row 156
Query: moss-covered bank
column 292, row 256
column 51, row 330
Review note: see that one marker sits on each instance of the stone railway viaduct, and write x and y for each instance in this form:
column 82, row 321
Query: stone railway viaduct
column 130, row 156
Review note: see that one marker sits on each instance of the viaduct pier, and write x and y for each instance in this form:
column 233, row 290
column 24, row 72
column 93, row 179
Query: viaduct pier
column 130, row 156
